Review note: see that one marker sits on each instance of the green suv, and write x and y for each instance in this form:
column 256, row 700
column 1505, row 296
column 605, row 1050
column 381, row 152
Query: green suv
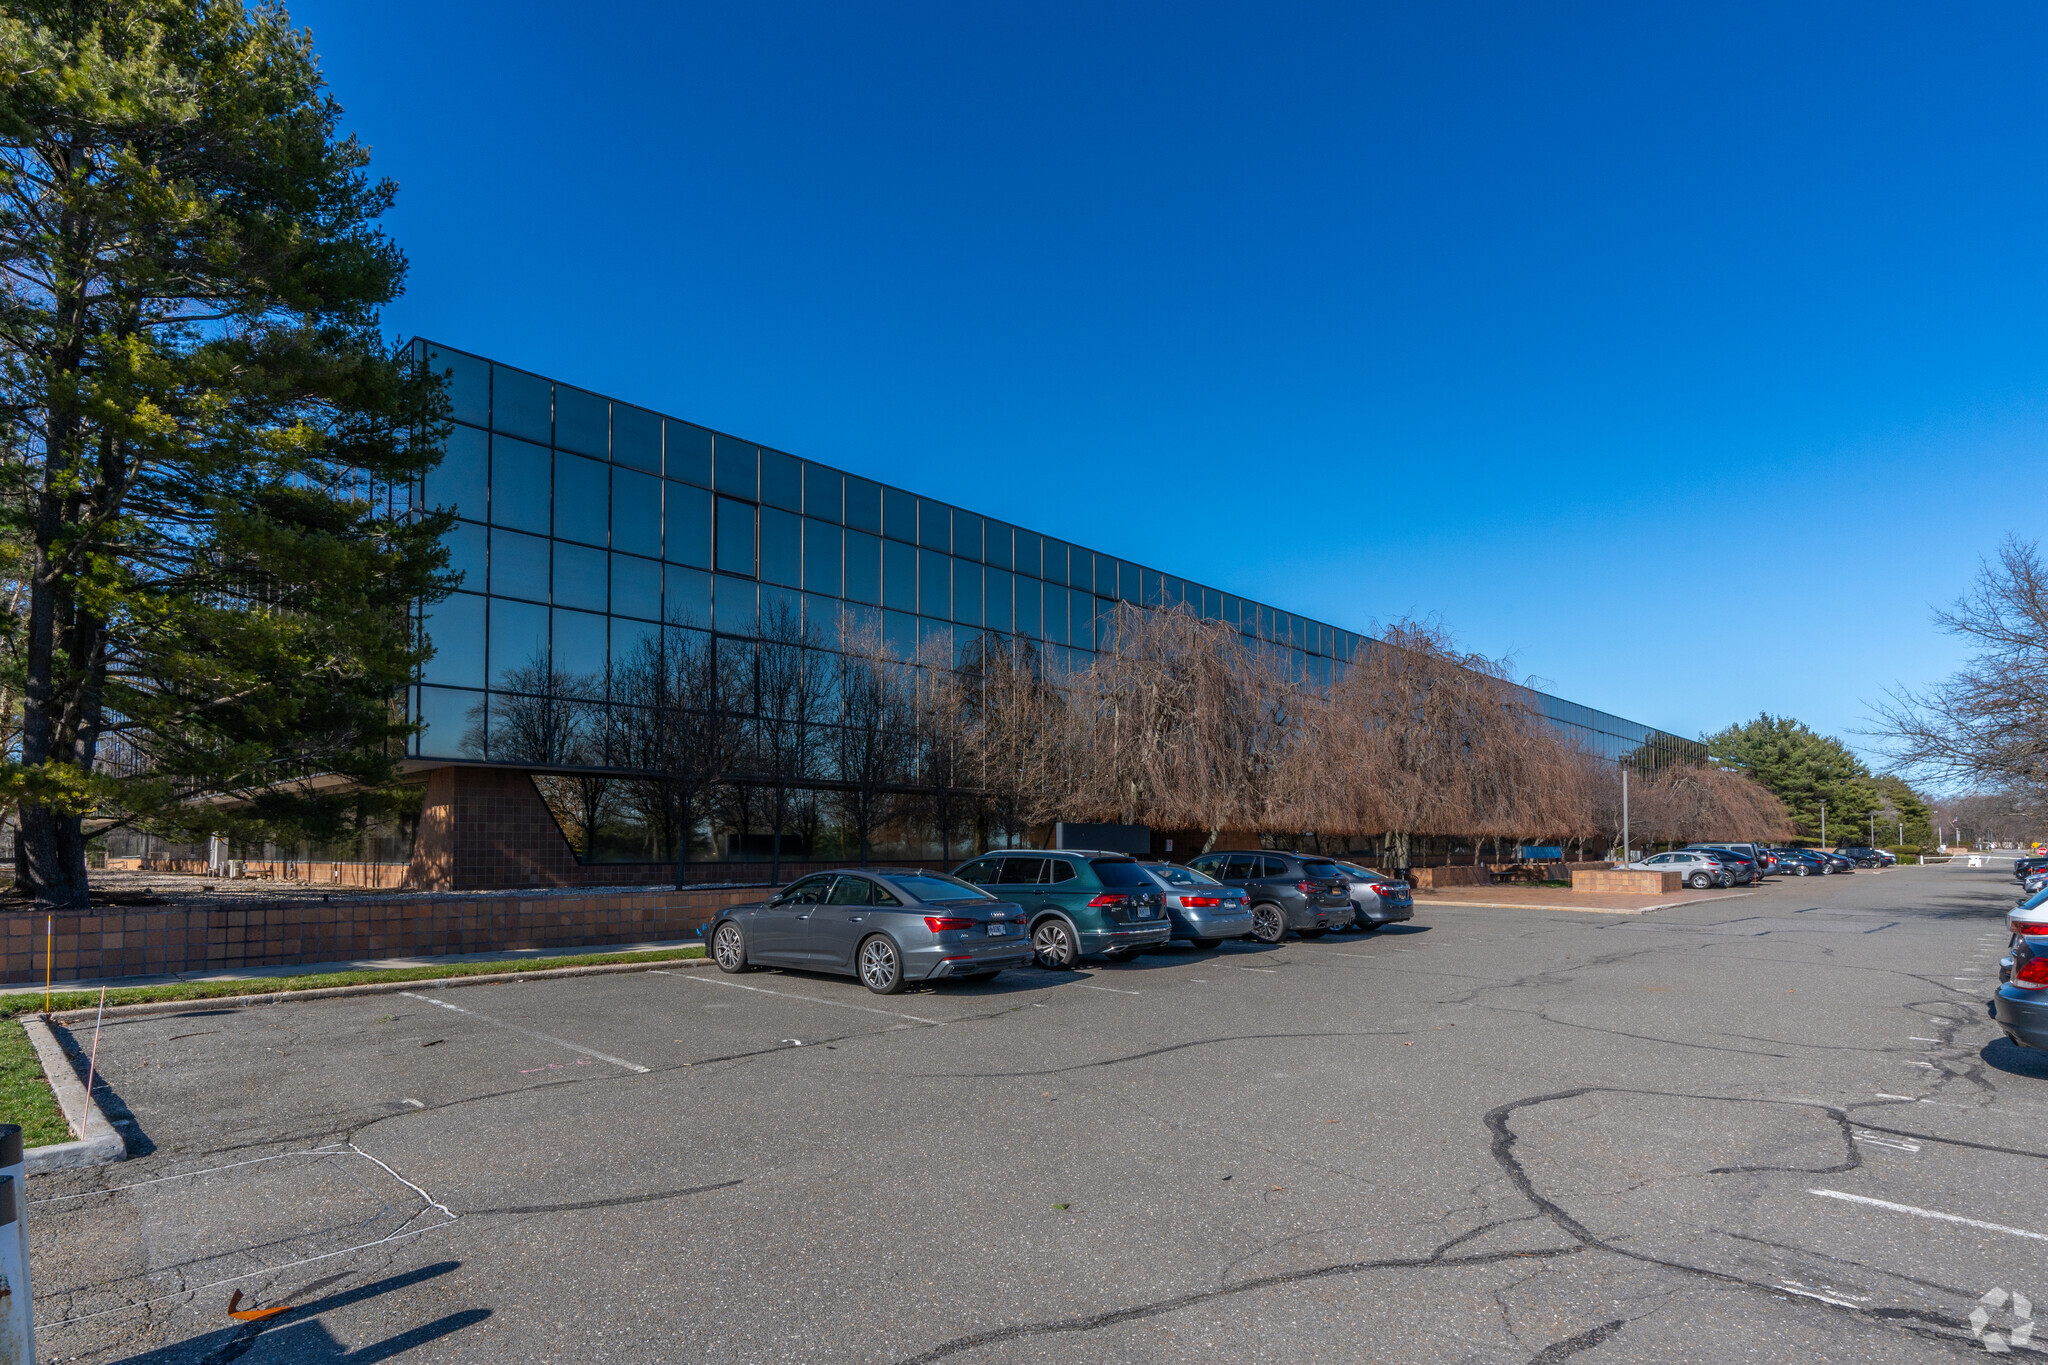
column 1078, row 904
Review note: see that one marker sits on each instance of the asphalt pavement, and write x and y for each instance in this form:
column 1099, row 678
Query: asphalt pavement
column 1772, row 1128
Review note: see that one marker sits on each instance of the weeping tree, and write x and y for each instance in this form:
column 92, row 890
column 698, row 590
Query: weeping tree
column 204, row 435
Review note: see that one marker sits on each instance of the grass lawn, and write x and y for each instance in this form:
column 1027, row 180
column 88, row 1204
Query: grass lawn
column 31, row 1002
column 25, row 1097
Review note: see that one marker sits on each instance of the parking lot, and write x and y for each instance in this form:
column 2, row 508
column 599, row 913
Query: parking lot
column 1771, row 1127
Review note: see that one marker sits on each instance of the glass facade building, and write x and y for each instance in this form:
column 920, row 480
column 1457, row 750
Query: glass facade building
column 586, row 523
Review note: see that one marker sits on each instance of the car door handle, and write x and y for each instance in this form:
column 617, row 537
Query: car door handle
column 855, row 919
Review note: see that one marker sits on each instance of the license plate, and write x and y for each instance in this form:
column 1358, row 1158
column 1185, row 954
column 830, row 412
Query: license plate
column 1144, row 912
column 997, row 930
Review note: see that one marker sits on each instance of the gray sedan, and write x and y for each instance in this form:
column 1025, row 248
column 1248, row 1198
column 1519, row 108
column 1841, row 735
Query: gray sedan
column 887, row 928
column 1204, row 910
column 1377, row 899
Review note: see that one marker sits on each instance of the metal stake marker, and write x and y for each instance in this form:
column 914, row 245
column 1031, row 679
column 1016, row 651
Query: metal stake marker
column 93, row 1065
column 49, row 952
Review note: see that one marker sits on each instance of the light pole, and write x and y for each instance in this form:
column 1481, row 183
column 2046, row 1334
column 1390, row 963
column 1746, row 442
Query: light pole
column 1625, row 858
column 1824, row 825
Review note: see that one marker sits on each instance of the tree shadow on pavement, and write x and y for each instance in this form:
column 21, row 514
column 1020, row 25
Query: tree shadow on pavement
column 293, row 1337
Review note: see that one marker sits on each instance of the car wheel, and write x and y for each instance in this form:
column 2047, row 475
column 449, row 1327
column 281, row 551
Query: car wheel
column 1268, row 924
column 881, row 966
column 1698, row 881
column 729, row 948
column 1205, row 943
column 1054, row 943
column 1727, row 880
column 1802, row 871
column 1827, row 870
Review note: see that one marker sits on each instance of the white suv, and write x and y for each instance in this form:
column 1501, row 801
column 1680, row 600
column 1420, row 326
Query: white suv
column 1700, row 870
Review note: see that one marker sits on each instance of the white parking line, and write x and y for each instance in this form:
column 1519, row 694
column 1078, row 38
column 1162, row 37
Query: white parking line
column 1918, row 1039
column 1267, row 970
column 807, row 999
column 1896, row 1144
column 530, row 1033
column 1930, row 1213
column 1111, row 989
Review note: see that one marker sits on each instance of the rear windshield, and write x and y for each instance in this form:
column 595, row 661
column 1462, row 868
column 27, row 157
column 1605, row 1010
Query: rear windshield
column 1319, row 869
column 1180, row 876
column 930, row 887
column 1120, row 872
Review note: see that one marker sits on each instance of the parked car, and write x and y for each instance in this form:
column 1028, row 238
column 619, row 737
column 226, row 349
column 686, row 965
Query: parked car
column 1203, row 910
column 887, row 928
column 1376, row 898
column 2022, row 868
column 1744, row 865
column 1699, row 870
column 2034, row 882
column 1079, row 903
column 2020, row 1005
column 1295, row 891
column 1864, row 856
column 1803, row 862
column 1759, row 854
column 1824, row 862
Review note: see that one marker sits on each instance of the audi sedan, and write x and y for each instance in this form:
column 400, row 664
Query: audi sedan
column 887, row 928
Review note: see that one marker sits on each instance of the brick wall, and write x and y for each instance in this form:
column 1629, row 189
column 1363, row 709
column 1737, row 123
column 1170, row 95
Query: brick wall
column 1633, row 883
column 113, row 942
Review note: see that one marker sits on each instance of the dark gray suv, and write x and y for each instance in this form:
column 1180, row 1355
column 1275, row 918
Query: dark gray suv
column 1297, row 891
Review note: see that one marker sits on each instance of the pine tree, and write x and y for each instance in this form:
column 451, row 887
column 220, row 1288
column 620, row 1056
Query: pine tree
column 207, row 441
column 1803, row 769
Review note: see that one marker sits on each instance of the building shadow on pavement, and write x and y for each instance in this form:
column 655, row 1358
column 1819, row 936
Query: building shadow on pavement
column 293, row 1336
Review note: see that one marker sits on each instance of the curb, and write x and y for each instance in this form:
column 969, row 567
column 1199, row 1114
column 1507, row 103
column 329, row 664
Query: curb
column 366, row 988
column 97, row 1143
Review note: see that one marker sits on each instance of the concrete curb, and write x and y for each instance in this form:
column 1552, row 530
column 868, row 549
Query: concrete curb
column 97, row 1142
column 371, row 988
column 1591, row 909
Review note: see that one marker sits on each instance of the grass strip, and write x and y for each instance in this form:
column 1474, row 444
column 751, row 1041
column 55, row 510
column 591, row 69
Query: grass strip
column 25, row 1097
column 31, row 1002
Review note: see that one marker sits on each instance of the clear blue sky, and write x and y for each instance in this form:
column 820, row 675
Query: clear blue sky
column 1687, row 354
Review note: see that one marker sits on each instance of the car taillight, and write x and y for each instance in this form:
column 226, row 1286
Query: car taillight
column 1200, row 902
column 941, row 923
column 2032, row 974
column 1307, row 888
column 1105, row 900
column 1381, row 889
column 2026, row 929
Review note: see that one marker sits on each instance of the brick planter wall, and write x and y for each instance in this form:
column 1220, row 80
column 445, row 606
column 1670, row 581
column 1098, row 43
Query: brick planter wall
column 148, row 942
column 1630, row 883
column 1436, row 878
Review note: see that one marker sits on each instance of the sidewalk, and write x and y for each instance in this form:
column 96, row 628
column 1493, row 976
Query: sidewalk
column 1564, row 898
column 360, row 965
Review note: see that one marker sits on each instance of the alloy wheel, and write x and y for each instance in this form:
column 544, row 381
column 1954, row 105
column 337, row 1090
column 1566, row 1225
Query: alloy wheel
column 1054, row 945
column 1268, row 924
column 880, row 969
column 728, row 948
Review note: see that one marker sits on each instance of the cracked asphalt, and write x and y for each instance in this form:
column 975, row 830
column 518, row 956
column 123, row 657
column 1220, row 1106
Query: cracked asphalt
column 1772, row 1128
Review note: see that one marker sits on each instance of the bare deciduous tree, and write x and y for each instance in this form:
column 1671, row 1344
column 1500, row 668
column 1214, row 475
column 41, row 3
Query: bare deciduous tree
column 792, row 688
column 873, row 745
column 679, row 735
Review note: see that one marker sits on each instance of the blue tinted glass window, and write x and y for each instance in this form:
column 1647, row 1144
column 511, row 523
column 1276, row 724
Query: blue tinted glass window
column 934, row 584
column 739, row 468
column 689, row 526
column 688, row 602
column 1128, row 584
column 689, row 453
column 1172, row 592
column 469, row 385
column 519, row 565
column 582, row 422
column 967, row 532
column 448, row 719
column 934, row 525
column 467, row 543
column 899, row 577
column 580, row 576
column 636, row 513
column 735, row 606
column 781, row 608
column 824, row 493
column 1056, row 615
column 967, row 583
column 519, row 485
column 582, row 499
column 899, row 516
column 899, row 634
column 519, row 640
column 864, row 568
column 1027, row 607
column 636, row 438
column 1104, row 581
column 782, row 480
column 629, row 638
column 455, row 627
column 998, row 597
column 821, row 557
column 935, row 642
column 735, row 537
column 580, row 653
column 462, row 481
column 858, row 621
column 1058, row 555
column 1030, row 553
column 782, row 557
column 636, row 587
column 521, row 404
column 996, row 542
column 863, row 505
